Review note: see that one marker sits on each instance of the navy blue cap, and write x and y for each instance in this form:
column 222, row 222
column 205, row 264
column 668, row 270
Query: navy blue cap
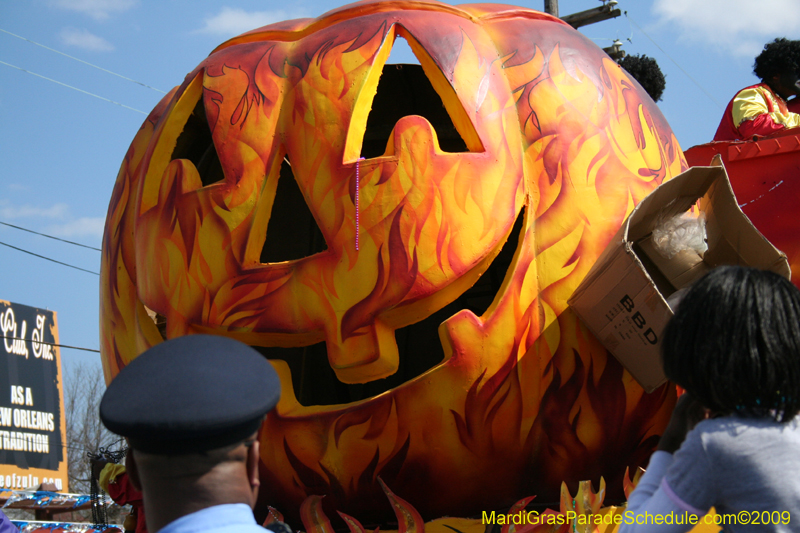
column 191, row 394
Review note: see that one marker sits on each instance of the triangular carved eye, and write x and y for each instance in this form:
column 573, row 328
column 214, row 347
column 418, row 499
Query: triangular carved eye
column 404, row 90
column 292, row 231
column 195, row 144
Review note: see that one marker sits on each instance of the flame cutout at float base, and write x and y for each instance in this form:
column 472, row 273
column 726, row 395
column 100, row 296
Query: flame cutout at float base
column 583, row 513
column 586, row 504
column 515, row 395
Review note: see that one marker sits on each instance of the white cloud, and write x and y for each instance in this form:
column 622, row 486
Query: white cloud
column 741, row 27
column 97, row 9
column 231, row 21
column 61, row 223
column 10, row 212
column 86, row 40
column 84, row 226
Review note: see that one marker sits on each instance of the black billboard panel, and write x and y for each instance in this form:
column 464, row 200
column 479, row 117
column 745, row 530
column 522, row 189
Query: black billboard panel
column 32, row 432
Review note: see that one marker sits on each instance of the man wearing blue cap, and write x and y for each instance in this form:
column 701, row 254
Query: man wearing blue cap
column 191, row 408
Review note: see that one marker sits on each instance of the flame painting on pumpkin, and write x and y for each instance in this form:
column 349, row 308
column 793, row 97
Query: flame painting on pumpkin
column 400, row 241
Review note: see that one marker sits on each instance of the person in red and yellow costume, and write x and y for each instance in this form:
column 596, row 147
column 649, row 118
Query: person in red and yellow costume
column 762, row 109
column 794, row 104
column 113, row 479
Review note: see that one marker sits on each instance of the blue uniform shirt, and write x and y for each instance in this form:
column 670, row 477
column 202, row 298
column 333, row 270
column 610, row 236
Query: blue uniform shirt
column 233, row 517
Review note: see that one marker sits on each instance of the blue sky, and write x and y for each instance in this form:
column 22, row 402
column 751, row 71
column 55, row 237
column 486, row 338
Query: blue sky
column 61, row 149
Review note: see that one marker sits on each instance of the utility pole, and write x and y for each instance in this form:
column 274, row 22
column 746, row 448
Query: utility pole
column 615, row 51
column 607, row 11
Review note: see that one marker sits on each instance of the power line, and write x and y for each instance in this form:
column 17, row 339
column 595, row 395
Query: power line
column 73, row 88
column 82, row 61
column 50, row 236
column 48, row 259
column 51, row 344
column 676, row 63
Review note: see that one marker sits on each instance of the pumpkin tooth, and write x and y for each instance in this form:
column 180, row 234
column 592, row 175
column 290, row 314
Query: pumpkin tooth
column 367, row 354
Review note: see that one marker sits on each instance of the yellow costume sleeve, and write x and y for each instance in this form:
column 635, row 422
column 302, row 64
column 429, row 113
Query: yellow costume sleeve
column 110, row 473
column 752, row 102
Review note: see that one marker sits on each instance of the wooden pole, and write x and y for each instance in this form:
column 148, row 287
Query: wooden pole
column 590, row 16
column 551, row 7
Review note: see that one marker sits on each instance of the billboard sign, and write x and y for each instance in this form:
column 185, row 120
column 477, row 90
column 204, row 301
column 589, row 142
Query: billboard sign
column 32, row 427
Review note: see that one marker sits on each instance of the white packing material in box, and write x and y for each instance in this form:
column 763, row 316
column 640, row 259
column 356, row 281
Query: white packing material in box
column 623, row 299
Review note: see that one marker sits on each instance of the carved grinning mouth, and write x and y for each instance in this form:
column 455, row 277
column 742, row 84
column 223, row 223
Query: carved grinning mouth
column 314, row 381
column 403, row 90
column 419, row 346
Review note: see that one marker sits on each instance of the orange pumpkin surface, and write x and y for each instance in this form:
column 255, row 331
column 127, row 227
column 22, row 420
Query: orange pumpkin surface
column 401, row 242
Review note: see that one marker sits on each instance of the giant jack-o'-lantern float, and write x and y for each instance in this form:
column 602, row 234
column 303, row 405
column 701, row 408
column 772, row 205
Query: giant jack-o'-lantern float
column 401, row 242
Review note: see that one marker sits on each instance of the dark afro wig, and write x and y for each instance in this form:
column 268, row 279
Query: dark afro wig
column 779, row 56
column 646, row 71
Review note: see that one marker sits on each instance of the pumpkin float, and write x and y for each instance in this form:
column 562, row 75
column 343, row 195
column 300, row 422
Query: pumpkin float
column 400, row 241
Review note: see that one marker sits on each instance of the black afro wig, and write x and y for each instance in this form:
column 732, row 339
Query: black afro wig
column 647, row 72
column 779, row 56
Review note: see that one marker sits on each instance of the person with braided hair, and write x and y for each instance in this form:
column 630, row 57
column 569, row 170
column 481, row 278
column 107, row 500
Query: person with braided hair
column 732, row 441
column 762, row 109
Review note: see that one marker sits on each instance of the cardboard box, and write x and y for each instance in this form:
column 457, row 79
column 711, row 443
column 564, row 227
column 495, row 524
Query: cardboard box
column 623, row 299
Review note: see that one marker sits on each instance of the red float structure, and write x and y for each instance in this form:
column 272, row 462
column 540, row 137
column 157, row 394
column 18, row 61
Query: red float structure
column 764, row 174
